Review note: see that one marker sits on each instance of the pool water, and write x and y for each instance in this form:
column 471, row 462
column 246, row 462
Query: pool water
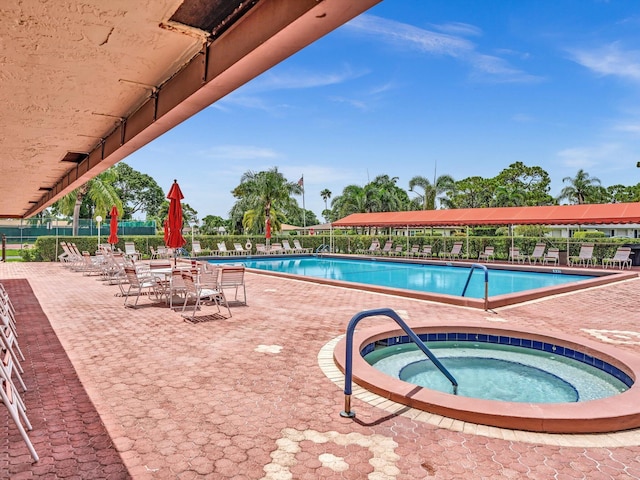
column 498, row 372
column 440, row 279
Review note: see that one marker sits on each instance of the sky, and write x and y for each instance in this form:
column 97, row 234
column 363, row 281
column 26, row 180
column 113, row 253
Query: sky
column 417, row 87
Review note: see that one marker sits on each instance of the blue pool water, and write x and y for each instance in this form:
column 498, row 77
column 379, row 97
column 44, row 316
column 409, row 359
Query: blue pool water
column 441, row 279
column 498, row 372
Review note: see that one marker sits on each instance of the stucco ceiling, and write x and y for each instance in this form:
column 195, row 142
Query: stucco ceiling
column 85, row 83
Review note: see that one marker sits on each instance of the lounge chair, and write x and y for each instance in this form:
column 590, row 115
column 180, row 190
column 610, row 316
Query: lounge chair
column 196, row 248
column 130, row 250
column 240, row 250
column 222, row 249
column 516, row 256
column 621, row 258
column 397, row 251
column 455, row 253
column 488, row 254
column 373, row 248
column 286, row 246
column 584, row 257
column 552, row 256
column 386, row 249
column 299, row 248
column 261, row 249
column 414, row 251
column 537, row 254
column 426, row 252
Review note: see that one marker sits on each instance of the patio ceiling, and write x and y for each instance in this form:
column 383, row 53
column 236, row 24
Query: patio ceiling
column 547, row 215
column 85, row 83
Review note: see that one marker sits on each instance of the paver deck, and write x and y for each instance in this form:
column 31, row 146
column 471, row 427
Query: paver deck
column 123, row 393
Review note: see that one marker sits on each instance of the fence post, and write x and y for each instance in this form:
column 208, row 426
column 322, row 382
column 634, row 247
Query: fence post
column 4, row 247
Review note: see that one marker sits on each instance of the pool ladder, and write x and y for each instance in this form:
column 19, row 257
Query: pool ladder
column 486, row 283
column 348, row 374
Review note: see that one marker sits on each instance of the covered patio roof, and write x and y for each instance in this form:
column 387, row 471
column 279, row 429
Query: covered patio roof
column 546, row 215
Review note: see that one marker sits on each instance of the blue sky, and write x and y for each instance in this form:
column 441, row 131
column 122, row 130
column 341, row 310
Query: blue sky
column 470, row 86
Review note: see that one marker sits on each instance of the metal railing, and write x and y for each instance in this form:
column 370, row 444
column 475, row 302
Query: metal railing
column 348, row 374
column 486, row 283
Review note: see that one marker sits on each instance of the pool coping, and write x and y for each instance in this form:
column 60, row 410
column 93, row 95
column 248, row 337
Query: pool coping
column 620, row 412
column 603, row 277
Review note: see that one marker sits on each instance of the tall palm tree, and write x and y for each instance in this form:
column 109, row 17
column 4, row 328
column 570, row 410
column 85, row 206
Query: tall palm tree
column 326, row 195
column 430, row 191
column 580, row 187
column 267, row 194
column 100, row 190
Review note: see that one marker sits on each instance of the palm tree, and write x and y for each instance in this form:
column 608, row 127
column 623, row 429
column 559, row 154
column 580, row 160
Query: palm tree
column 326, row 195
column 580, row 188
column 430, row 191
column 102, row 193
column 508, row 196
column 267, row 194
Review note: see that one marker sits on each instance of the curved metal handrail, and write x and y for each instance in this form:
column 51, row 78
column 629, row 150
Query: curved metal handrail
column 486, row 283
column 348, row 374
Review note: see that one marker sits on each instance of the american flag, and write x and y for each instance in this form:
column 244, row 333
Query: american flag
column 301, row 182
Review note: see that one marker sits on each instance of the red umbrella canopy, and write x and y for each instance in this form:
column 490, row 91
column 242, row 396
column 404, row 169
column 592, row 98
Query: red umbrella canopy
column 113, row 226
column 268, row 229
column 175, row 238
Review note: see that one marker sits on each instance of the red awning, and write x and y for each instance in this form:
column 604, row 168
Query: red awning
column 548, row 215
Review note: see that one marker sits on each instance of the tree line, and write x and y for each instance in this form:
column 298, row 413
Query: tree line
column 269, row 195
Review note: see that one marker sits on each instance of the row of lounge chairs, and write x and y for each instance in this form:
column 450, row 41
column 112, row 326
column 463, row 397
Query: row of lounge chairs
column 10, row 370
column 540, row 254
column 261, row 249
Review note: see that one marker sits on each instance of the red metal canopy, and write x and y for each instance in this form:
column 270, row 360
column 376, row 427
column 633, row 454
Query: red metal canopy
column 547, row 215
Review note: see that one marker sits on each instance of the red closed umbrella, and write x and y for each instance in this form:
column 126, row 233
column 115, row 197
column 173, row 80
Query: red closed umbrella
column 174, row 221
column 267, row 232
column 113, row 226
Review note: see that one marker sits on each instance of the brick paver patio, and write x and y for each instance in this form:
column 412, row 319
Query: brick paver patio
column 123, row 393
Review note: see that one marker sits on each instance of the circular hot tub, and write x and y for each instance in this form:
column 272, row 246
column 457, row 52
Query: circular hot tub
column 613, row 413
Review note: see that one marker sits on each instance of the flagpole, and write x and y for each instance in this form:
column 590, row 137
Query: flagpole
column 304, row 211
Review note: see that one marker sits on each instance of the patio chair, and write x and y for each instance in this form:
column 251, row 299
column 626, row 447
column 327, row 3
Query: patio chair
column 287, row 247
column 222, row 250
column 398, row 251
column 621, row 258
column 516, row 256
column 233, row 277
column 414, row 251
column 552, row 256
column 138, row 283
column 197, row 292
column 275, row 248
column 299, row 248
column 261, row 249
column 537, row 254
column 488, row 254
column 455, row 253
column 584, row 257
column 426, row 252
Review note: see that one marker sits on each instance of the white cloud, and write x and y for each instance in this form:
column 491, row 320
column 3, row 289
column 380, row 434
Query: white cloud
column 459, row 28
column 633, row 128
column 585, row 157
column 485, row 67
column 611, row 59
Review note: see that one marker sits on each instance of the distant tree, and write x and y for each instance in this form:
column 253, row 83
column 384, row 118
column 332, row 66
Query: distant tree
column 267, row 195
column 508, row 196
column 430, row 191
column 471, row 192
column 580, row 189
column 189, row 215
column 139, row 192
column 389, row 197
column 100, row 195
column 623, row 194
column 326, row 195
column 212, row 223
column 533, row 183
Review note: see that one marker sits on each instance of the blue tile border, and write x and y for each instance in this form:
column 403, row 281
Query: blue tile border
column 513, row 341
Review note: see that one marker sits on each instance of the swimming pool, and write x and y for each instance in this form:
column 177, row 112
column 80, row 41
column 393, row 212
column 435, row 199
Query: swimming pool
column 440, row 281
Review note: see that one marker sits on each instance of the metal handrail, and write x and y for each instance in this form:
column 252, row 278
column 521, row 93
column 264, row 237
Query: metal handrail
column 348, row 374
column 323, row 248
column 486, row 283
